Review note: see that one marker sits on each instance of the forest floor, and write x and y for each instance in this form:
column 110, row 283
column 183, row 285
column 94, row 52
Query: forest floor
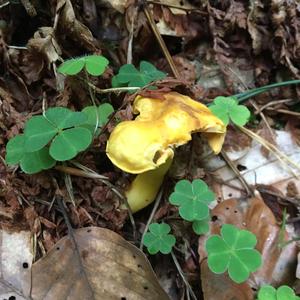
column 217, row 48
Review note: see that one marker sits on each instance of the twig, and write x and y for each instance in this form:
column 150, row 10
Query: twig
column 271, row 103
column 284, row 111
column 17, row 47
column 160, row 40
column 4, row 4
column 154, row 209
column 113, row 90
column 264, row 119
column 284, row 159
column 69, row 186
column 197, row 10
column 130, row 38
column 237, row 173
column 183, row 276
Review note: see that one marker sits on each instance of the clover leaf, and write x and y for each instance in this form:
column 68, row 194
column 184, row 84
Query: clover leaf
column 68, row 143
column 30, row 162
column 94, row 64
column 227, row 109
column 57, row 135
column 130, row 76
column 192, row 199
column 34, row 162
column 284, row 292
column 15, row 149
column 158, row 239
column 62, row 117
column 233, row 251
column 104, row 111
column 201, row 226
column 38, row 132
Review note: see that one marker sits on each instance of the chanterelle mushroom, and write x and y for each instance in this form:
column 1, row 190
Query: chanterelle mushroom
column 147, row 142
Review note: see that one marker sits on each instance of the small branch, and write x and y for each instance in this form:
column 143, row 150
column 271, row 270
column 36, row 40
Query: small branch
column 154, row 209
column 4, row 4
column 160, row 40
column 197, row 10
column 237, row 173
column 183, row 276
column 284, row 111
column 113, row 90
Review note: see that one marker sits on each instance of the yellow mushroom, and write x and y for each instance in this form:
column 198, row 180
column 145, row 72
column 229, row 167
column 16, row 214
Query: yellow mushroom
column 145, row 145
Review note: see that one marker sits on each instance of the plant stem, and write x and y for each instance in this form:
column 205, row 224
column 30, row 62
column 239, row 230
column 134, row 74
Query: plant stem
column 183, row 276
column 253, row 92
column 157, row 201
column 160, row 40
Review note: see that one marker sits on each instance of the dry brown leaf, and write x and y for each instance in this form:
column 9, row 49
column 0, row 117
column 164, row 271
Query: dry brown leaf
column 44, row 42
column 69, row 25
column 102, row 266
column 118, row 5
column 221, row 287
column 278, row 263
column 99, row 265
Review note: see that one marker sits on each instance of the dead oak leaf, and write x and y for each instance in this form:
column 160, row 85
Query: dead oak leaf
column 101, row 265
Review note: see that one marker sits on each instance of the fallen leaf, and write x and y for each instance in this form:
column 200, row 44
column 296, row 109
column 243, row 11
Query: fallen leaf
column 70, row 26
column 97, row 264
column 102, row 265
column 44, row 43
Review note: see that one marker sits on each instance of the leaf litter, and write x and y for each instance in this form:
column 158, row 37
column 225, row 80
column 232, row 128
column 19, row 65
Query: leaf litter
column 222, row 46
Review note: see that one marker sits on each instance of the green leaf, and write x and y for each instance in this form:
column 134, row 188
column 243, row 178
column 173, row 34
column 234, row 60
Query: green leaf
column 201, row 227
column 95, row 64
column 267, row 292
column 68, row 143
column 38, row 132
column 158, row 239
column 227, row 108
column 284, row 292
column 151, row 71
column 72, row 66
column 233, row 251
column 62, row 117
column 192, row 199
column 15, row 150
column 35, row 162
column 104, row 111
column 239, row 115
column 129, row 75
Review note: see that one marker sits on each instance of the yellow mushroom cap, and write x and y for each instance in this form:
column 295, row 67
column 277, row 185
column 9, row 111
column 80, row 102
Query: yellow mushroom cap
column 162, row 124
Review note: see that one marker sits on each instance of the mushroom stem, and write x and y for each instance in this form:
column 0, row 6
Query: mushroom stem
column 145, row 187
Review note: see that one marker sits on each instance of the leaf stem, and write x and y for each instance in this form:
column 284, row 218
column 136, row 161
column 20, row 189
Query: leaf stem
column 180, row 271
column 253, row 92
column 157, row 201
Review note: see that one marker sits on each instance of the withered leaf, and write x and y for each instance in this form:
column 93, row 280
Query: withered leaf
column 102, row 265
